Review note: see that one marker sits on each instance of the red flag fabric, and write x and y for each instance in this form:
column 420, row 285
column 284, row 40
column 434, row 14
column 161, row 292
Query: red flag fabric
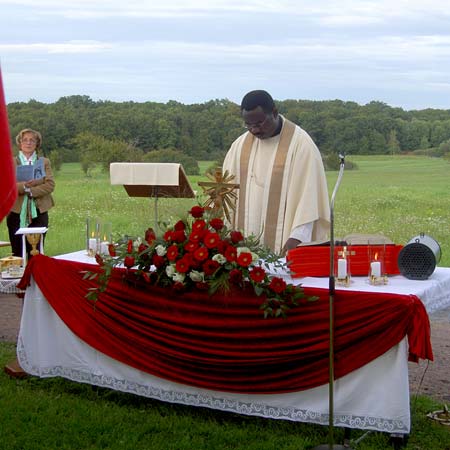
column 8, row 176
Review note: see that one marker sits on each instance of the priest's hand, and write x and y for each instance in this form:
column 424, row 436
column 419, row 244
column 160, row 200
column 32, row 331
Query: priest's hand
column 290, row 244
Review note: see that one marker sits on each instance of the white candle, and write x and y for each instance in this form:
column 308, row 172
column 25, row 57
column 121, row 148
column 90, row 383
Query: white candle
column 375, row 269
column 342, row 268
column 93, row 244
column 104, row 248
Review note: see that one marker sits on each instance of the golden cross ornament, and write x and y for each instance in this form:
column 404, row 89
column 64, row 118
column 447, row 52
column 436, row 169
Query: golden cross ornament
column 221, row 192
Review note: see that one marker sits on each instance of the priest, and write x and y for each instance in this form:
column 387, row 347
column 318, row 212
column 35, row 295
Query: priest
column 283, row 194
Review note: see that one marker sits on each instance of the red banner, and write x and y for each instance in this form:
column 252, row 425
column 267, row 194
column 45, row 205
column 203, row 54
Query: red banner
column 223, row 342
column 8, row 176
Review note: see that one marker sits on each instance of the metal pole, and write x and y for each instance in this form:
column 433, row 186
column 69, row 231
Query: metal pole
column 331, row 287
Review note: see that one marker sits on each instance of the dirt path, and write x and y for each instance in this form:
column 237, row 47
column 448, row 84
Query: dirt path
column 431, row 379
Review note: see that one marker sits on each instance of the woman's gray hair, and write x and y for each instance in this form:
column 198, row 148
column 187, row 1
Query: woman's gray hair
column 36, row 134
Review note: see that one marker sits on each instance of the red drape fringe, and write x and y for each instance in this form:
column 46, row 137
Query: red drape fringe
column 223, row 342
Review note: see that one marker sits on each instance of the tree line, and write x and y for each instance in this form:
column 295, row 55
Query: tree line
column 77, row 128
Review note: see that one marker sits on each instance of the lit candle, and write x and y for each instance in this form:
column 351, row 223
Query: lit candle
column 93, row 245
column 375, row 269
column 342, row 268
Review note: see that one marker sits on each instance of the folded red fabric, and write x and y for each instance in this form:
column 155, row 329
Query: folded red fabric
column 223, row 342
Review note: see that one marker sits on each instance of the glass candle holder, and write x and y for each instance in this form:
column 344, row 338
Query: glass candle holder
column 377, row 262
column 342, row 273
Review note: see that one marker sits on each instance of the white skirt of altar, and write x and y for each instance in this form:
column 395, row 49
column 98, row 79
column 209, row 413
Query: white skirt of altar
column 374, row 397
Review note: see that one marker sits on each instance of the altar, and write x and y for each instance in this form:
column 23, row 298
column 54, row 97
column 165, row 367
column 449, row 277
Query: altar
column 57, row 339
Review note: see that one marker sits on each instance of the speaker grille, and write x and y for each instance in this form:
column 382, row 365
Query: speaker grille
column 416, row 261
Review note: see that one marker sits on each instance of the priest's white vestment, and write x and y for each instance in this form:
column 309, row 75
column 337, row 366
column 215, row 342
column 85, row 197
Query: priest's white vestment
column 282, row 185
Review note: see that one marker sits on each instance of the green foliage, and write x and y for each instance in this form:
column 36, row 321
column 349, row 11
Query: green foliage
column 56, row 160
column 205, row 131
column 189, row 164
column 333, row 162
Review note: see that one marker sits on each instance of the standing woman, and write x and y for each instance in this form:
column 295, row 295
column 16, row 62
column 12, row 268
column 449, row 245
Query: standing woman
column 34, row 197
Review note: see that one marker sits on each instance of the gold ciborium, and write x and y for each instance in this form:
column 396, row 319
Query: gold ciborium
column 34, row 239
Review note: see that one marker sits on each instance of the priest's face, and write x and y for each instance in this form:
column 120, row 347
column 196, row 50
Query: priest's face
column 261, row 124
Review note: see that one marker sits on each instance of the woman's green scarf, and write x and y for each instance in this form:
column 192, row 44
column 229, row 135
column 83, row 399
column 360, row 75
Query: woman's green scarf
column 29, row 210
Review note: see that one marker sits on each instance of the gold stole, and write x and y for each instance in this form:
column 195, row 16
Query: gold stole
column 276, row 183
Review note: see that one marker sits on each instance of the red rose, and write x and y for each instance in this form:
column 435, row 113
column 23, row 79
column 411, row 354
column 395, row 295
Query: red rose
column 197, row 211
column 168, row 236
column 222, row 246
column 230, row 253
column 210, row 266
column 257, row 274
column 278, row 285
column 112, row 250
column 178, row 236
column 196, row 235
column 202, row 286
column 235, row 276
column 236, row 236
column 201, row 254
column 211, row 239
column 198, row 225
column 129, row 261
column 182, row 265
column 244, row 259
column 142, row 248
column 216, row 223
column 190, row 246
column 172, row 253
column 158, row 261
column 130, row 246
column 179, row 226
column 150, row 236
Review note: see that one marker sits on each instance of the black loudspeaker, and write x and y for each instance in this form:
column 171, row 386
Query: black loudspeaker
column 418, row 258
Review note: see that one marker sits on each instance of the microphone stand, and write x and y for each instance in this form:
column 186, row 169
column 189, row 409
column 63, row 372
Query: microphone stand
column 331, row 445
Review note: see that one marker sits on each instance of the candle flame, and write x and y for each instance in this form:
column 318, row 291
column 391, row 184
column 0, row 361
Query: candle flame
column 376, row 256
column 92, row 234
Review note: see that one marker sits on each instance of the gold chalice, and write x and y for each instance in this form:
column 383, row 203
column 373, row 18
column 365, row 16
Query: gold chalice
column 34, row 239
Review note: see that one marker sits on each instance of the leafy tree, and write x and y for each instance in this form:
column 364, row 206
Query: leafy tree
column 189, row 164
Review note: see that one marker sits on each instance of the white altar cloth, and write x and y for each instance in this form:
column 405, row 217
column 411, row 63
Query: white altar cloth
column 374, row 397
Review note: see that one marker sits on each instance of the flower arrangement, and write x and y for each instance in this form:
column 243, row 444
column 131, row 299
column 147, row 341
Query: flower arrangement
column 200, row 253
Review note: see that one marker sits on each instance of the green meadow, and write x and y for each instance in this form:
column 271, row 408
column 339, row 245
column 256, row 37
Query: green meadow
column 400, row 197
column 397, row 196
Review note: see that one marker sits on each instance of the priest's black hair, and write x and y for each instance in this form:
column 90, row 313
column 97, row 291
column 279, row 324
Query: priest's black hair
column 253, row 99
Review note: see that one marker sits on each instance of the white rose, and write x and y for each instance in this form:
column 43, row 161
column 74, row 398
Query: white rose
column 137, row 243
column 219, row 258
column 243, row 250
column 160, row 250
column 177, row 276
column 196, row 276
column 170, row 270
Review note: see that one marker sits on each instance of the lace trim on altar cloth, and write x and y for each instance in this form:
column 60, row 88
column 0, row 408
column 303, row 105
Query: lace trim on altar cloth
column 213, row 402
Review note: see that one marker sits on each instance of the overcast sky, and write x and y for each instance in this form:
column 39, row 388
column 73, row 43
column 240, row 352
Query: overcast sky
column 393, row 51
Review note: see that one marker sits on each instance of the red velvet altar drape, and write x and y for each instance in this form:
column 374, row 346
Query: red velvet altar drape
column 224, row 343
